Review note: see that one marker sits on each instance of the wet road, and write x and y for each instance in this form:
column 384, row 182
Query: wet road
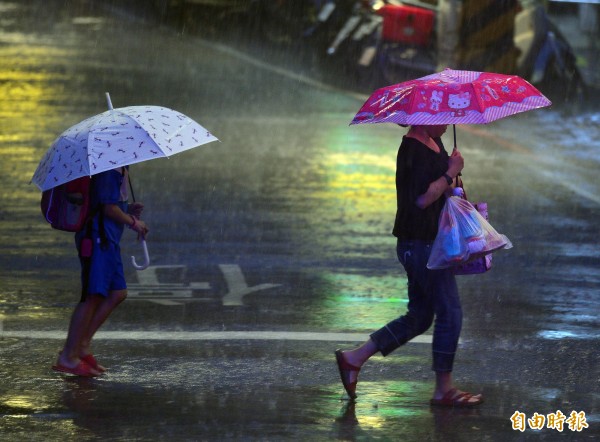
column 272, row 248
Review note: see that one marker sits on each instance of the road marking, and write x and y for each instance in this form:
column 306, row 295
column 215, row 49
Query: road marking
column 204, row 336
column 151, row 289
column 237, row 286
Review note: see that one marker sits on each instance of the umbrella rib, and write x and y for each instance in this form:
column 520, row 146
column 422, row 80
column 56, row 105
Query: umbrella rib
column 410, row 104
column 480, row 103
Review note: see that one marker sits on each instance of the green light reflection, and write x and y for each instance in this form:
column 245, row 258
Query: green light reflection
column 381, row 404
column 357, row 302
column 352, row 220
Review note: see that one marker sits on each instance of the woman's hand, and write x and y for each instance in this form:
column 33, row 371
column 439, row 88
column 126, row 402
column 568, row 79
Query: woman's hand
column 456, row 163
column 441, row 186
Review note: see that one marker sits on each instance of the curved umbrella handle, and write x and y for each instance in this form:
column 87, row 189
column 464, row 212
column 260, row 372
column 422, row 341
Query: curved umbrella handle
column 108, row 102
column 146, row 262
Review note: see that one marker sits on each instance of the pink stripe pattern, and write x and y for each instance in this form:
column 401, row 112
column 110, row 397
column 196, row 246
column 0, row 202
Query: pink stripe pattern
column 451, row 97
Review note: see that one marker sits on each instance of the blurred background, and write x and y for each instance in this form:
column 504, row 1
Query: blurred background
column 553, row 44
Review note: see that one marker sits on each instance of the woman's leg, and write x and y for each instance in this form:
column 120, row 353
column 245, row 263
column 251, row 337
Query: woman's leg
column 418, row 318
column 448, row 318
column 446, row 333
column 360, row 355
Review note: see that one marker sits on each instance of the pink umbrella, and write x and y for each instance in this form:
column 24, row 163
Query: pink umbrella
column 451, row 97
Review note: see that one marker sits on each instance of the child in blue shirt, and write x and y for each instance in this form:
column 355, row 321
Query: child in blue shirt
column 103, row 279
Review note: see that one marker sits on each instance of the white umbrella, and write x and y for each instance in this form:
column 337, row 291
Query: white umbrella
column 115, row 138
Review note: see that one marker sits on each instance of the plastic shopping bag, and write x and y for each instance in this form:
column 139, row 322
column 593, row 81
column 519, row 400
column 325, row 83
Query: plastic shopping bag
column 476, row 264
column 463, row 234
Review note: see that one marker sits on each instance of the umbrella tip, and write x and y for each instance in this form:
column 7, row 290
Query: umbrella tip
column 110, row 106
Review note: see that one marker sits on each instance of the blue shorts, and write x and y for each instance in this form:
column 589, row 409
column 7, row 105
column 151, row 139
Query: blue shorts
column 106, row 270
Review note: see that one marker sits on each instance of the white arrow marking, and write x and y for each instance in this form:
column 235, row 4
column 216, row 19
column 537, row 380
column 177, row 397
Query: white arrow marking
column 237, row 286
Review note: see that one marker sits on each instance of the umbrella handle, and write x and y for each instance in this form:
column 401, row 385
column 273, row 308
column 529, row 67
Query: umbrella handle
column 108, row 102
column 146, row 262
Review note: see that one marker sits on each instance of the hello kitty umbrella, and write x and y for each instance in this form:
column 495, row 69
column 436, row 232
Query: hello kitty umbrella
column 451, row 97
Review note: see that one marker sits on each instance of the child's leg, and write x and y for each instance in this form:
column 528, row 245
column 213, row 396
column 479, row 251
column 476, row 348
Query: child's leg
column 101, row 313
column 80, row 319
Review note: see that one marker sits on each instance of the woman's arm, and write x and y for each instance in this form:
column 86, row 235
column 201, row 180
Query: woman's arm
column 437, row 188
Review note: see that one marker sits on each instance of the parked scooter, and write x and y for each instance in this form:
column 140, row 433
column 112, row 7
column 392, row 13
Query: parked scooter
column 392, row 41
column 325, row 9
column 398, row 41
column 407, row 47
column 548, row 60
column 389, row 41
column 360, row 24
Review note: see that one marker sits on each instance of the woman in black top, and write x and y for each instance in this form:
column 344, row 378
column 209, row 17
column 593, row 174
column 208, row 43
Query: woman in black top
column 424, row 176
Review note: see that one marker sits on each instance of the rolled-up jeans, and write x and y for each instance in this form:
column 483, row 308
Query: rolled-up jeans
column 432, row 294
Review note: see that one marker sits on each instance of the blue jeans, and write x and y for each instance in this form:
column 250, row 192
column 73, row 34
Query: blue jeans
column 431, row 294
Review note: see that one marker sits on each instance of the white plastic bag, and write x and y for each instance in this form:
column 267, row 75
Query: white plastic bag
column 463, row 234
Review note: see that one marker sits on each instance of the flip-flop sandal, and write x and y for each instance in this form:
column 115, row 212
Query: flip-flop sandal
column 345, row 370
column 92, row 362
column 82, row 369
column 454, row 399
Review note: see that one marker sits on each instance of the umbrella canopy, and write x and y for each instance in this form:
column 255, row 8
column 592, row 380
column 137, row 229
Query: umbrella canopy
column 117, row 137
column 451, row 97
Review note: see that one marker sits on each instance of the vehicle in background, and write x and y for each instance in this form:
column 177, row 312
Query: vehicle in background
column 407, row 46
column 377, row 42
column 547, row 59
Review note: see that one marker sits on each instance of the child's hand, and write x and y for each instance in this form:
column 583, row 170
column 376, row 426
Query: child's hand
column 140, row 227
column 143, row 231
column 135, row 209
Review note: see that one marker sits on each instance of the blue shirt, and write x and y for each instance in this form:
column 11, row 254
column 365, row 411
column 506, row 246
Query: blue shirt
column 106, row 189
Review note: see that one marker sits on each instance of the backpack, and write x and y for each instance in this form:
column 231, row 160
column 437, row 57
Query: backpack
column 67, row 207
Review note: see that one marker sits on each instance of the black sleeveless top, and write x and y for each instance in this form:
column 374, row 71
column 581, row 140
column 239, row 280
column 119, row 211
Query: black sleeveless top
column 416, row 167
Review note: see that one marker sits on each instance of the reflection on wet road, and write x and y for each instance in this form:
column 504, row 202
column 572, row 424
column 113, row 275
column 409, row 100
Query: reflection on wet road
column 283, row 226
